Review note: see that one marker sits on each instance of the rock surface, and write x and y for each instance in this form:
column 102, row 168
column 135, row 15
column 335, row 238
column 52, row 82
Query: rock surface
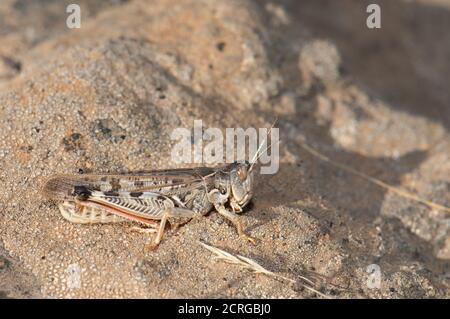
column 106, row 98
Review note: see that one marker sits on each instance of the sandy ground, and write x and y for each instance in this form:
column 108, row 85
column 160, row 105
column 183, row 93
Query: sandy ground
column 106, row 97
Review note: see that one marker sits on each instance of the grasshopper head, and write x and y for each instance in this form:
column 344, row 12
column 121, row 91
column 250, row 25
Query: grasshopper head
column 241, row 184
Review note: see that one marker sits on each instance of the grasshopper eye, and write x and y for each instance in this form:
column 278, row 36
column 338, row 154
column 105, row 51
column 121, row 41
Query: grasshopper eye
column 242, row 174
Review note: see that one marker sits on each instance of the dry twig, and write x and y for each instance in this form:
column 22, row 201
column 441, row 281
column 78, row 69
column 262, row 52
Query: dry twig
column 257, row 268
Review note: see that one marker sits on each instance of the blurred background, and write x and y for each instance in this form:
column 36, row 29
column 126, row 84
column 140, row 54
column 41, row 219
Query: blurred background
column 406, row 62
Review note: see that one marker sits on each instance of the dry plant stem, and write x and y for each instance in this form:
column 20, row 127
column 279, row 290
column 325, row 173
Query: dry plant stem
column 375, row 181
column 257, row 268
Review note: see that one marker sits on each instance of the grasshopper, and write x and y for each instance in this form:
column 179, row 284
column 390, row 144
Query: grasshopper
column 153, row 198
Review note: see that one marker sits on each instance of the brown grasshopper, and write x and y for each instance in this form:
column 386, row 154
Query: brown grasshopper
column 152, row 198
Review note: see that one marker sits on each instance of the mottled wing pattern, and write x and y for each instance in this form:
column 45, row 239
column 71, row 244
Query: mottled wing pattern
column 164, row 182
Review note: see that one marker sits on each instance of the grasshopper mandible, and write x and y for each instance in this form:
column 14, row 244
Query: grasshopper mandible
column 152, row 198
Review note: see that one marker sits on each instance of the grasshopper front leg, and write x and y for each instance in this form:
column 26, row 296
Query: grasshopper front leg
column 235, row 219
column 218, row 200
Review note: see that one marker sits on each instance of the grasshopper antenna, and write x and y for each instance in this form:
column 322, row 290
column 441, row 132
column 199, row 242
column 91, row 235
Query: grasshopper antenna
column 258, row 152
